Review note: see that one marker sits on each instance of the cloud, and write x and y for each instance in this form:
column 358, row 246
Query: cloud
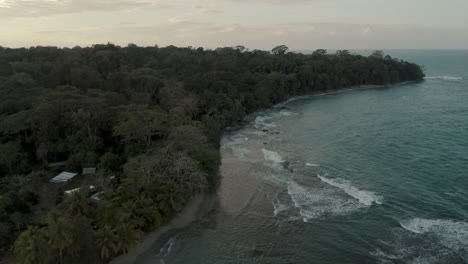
column 298, row 36
column 48, row 8
column 276, row 2
column 44, row 8
column 366, row 31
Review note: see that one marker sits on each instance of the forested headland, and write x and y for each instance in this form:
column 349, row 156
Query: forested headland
column 149, row 119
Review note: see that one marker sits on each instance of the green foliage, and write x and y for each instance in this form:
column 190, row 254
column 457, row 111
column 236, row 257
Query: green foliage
column 127, row 237
column 280, row 50
column 59, row 232
column 31, row 247
column 106, row 241
column 150, row 116
column 110, row 161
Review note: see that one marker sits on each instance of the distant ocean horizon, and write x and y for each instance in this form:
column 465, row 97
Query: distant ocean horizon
column 366, row 176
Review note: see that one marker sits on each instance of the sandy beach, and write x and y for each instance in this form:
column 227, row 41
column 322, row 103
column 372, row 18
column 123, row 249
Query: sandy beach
column 199, row 206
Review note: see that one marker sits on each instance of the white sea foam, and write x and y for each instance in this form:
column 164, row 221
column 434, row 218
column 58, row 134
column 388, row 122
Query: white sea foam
column 365, row 197
column 287, row 113
column 452, row 234
column 316, row 202
column 312, row 165
column 264, row 122
column 446, row 78
column 167, row 248
column 228, row 142
column 292, row 100
column 279, row 207
column 426, row 241
column 272, row 156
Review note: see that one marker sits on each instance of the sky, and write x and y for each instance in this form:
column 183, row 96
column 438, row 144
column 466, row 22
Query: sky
column 256, row 24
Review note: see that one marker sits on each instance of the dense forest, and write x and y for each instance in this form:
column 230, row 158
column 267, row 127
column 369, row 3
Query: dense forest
column 149, row 119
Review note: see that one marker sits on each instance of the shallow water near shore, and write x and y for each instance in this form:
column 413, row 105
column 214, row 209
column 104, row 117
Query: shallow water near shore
column 365, row 176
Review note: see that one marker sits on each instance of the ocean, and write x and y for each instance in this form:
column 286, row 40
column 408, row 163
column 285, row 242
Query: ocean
column 364, row 176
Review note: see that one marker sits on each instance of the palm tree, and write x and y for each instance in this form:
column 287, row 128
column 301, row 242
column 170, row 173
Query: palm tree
column 59, row 232
column 149, row 212
column 128, row 237
column 31, row 247
column 170, row 198
column 76, row 204
column 106, row 241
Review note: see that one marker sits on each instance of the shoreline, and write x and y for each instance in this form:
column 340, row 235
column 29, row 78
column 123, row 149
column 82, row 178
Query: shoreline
column 202, row 204
column 337, row 91
column 198, row 207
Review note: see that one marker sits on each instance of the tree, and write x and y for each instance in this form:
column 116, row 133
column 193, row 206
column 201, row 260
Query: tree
column 378, row 54
column 171, row 198
column 31, row 247
column 106, row 241
column 11, row 158
column 240, row 48
column 127, row 237
column 138, row 124
column 280, row 50
column 110, row 161
column 343, row 53
column 59, row 232
column 319, row 52
column 76, row 204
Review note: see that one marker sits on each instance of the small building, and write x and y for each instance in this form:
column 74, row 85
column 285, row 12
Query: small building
column 97, row 197
column 91, row 190
column 63, row 177
column 89, row 171
column 57, row 164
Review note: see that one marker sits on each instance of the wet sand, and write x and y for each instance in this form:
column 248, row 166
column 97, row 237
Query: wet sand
column 199, row 206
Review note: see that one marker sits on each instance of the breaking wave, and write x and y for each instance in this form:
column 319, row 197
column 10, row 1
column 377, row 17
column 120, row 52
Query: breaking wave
column 446, row 78
column 264, row 122
column 272, row 156
column 317, row 202
column 365, row 197
column 452, row 234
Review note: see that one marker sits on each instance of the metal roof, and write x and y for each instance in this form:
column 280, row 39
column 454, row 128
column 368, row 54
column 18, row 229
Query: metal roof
column 63, row 177
column 98, row 196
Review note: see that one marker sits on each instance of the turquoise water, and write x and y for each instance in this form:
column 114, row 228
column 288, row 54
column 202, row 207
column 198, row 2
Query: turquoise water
column 365, row 176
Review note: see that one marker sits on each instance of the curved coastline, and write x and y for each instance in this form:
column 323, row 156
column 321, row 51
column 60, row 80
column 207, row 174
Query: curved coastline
column 203, row 204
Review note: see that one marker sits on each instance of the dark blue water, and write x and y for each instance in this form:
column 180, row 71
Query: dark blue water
column 364, row 176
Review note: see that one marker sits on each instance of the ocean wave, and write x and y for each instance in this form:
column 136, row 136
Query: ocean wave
column 317, row 202
column 452, row 234
column 279, row 207
column 287, row 113
column 426, row 241
column 365, row 197
column 272, row 156
column 264, row 122
column 167, row 248
column 229, row 142
column 446, row 78
column 408, row 254
column 312, row 165
column 291, row 100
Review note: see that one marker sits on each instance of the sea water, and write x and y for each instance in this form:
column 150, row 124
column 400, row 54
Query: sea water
column 365, row 176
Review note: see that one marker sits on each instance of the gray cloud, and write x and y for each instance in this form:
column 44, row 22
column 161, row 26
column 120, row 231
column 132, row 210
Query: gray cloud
column 44, row 8
column 276, row 2
column 298, row 36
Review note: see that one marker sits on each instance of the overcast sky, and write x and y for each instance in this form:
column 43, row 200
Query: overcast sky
column 262, row 24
